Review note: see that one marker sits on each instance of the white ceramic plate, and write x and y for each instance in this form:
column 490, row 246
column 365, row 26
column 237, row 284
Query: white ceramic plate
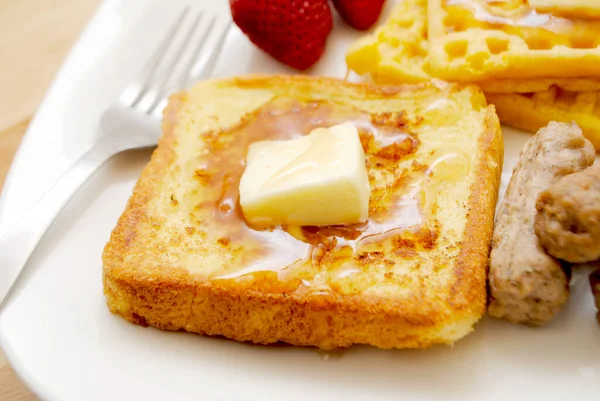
column 61, row 339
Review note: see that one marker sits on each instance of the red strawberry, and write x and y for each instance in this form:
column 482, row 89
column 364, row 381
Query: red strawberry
column 292, row 31
column 359, row 14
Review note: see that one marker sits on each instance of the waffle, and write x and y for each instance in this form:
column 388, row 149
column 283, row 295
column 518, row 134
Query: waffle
column 397, row 53
column 539, row 85
column 568, row 8
column 534, row 110
column 475, row 40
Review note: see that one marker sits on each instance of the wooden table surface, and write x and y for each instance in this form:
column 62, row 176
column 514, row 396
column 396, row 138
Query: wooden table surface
column 35, row 37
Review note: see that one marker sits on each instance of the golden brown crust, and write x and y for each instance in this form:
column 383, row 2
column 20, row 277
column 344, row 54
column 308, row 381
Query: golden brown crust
column 163, row 296
column 478, row 237
column 263, row 311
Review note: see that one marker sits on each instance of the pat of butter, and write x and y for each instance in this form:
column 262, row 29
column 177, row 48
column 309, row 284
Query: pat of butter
column 316, row 180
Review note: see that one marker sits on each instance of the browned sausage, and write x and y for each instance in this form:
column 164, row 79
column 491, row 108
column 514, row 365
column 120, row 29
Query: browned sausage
column 527, row 285
column 568, row 217
column 595, row 284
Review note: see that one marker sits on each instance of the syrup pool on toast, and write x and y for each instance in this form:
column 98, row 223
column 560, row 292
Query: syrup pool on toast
column 403, row 195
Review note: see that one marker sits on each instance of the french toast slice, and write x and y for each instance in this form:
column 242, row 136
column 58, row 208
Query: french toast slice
column 182, row 257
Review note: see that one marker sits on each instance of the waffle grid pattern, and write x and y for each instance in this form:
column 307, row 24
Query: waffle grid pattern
column 471, row 40
column 398, row 50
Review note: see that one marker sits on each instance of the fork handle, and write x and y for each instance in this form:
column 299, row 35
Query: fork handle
column 18, row 243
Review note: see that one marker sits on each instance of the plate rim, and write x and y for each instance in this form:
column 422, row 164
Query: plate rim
column 14, row 362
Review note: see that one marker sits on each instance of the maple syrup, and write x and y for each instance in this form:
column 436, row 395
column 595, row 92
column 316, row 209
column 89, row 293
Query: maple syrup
column 317, row 257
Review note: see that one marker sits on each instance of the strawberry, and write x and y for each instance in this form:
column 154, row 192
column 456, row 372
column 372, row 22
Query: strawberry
column 292, row 31
column 359, row 14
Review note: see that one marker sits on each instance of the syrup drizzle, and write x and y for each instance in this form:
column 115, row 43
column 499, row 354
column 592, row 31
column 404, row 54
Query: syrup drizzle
column 399, row 206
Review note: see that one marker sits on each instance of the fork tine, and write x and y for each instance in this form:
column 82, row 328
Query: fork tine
column 207, row 67
column 161, row 85
column 132, row 93
column 186, row 75
column 192, row 61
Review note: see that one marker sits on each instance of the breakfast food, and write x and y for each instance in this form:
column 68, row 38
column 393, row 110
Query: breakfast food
column 595, row 284
column 398, row 52
column 527, row 285
column 359, row 14
column 530, row 87
column 291, row 31
column 534, row 110
column 473, row 40
column 585, row 9
column 316, row 180
column 182, row 257
column 568, row 217
column 295, row 31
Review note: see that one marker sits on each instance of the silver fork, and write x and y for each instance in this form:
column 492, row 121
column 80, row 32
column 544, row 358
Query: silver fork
column 131, row 123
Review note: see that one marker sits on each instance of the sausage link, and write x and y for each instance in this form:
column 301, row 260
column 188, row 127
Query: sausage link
column 527, row 285
column 595, row 284
column 568, row 217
